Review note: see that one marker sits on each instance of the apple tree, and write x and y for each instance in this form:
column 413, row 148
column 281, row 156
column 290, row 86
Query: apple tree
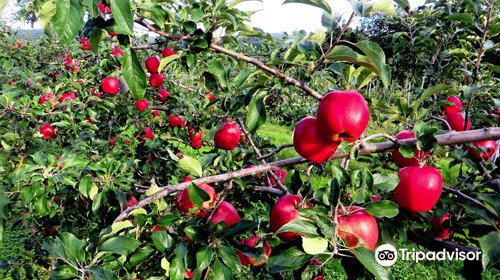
column 131, row 146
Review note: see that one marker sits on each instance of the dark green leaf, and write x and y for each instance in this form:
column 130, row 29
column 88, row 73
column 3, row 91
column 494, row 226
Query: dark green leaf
column 322, row 4
column 65, row 272
column 134, row 74
column 119, row 245
column 256, row 114
column 218, row 70
column 408, row 151
column 290, row 259
column 384, row 208
column 303, row 227
column 367, row 258
column 68, row 19
column 95, row 39
column 99, row 273
column 162, row 240
column 490, row 248
column 197, row 195
column 122, row 13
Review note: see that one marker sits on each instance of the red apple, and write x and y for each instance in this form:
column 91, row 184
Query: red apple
column 104, row 9
column 280, row 174
column 399, row 159
column 184, row 203
column 148, row 134
column 168, row 52
column 162, row 95
column 419, row 188
column 487, row 150
column 342, row 115
column 252, row 242
column 156, row 80
column 457, row 121
column 156, row 228
column 155, row 113
column 116, row 51
column 228, row 137
column 196, row 144
column 85, row 43
column 47, row 97
column 225, row 213
column 47, row 131
column 309, row 144
column 452, row 109
column 284, row 211
column 152, row 64
column 176, row 121
column 67, row 96
column 132, row 201
column 356, row 224
column 141, row 105
column 440, row 228
column 110, row 85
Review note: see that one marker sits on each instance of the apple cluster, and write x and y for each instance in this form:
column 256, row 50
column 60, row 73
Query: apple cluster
column 457, row 122
column 341, row 115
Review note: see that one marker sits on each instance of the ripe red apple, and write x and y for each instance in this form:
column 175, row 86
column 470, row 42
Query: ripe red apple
column 399, row 159
column 225, row 213
column 67, row 96
column 168, row 52
column 156, row 80
column 487, row 147
column 47, row 97
column 252, row 242
column 132, row 201
column 156, row 228
column 184, row 203
column 419, row 188
column 155, row 113
column 110, row 85
column 342, row 115
column 152, row 64
column 196, row 144
column 440, row 228
column 452, row 109
column 228, row 137
column 309, row 144
column 176, row 121
column 104, row 9
column 457, row 121
column 148, row 134
column 141, row 105
column 280, row 174
column 356, row 224
column 284, row 211
column 47, row 131
column 116, row 51
column 162, row 95
column 85, row 43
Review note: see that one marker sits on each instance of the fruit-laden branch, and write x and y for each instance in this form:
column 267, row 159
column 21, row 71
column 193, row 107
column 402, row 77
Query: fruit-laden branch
column 242, row 57
column 446, row 139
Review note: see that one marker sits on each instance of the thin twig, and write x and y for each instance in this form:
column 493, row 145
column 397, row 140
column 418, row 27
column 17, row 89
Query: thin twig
column 471, row 200
column 443, row 121
column 323, row 58
column 278, row 149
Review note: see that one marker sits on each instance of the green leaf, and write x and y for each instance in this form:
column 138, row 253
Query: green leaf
column 85, row 185
column 380, row 6
column 384, row 208
column 367, row 258
column 302, row 227
column 153, row 12
column 427, row 93
column 408, row 151
column 120, row 245
column 204, row 257
column 122, row 13
column 95, row 39
column 490, row 248
column 4, row 202
column 67, row 247
column 92, row 7
column 99, row 273
column 314, row 246
column 218, row 70
column 256, row 114
column 197, row 195
column 424, row 133
column 162, row 240
column 65, row 272
column 290, row 259
column 166, row 60
column 322, row 4
column 116, row 227
column 191, row 165
column 47, row 11
column 229, row 257
column 68, row 19
column 134, row 74
column 385, row 182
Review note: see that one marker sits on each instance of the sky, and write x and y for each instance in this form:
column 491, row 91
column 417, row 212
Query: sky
column 272, row 16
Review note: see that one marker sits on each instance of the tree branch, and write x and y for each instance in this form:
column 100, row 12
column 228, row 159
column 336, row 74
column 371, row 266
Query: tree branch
column 278, row 149
column 451, row 138
column 325, row 55
column 472, row 201
column 263, row 66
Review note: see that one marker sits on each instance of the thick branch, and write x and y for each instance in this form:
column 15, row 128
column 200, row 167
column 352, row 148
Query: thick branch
column 261, row 65
column 451, row 138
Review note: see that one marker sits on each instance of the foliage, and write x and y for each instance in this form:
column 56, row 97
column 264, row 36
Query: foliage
column 68, row 190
